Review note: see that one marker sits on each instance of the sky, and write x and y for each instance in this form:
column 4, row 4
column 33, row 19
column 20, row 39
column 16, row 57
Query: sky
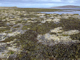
column 38, row 3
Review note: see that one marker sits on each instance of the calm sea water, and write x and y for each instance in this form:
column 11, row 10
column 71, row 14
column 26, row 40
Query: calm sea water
column 66, row 11
column 63, row 12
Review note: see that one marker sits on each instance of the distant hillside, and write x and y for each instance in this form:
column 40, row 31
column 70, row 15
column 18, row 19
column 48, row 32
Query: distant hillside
column 67, row 6
column 8, row 7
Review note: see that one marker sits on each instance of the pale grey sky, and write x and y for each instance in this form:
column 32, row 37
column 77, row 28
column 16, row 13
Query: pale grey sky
column 38, row 3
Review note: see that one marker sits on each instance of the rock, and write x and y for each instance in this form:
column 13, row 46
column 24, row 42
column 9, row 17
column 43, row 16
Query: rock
column 56, row 20
column 13, row 48
column 56, row 30
column 43, row 21
column 13, row 33
column 71, row 32
column 49, row 20
column 58, row 38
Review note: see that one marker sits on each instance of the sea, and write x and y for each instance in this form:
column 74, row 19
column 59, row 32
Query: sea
column 65, row 11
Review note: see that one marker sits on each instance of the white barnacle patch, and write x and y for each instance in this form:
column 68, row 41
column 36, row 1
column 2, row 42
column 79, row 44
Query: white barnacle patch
column 62, row 37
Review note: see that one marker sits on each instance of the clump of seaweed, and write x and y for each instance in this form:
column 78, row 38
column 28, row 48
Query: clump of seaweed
column 70, row 24
column 75, row 36
column 39, row 51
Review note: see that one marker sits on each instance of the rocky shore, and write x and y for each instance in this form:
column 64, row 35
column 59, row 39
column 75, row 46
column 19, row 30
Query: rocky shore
column 22, row 31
